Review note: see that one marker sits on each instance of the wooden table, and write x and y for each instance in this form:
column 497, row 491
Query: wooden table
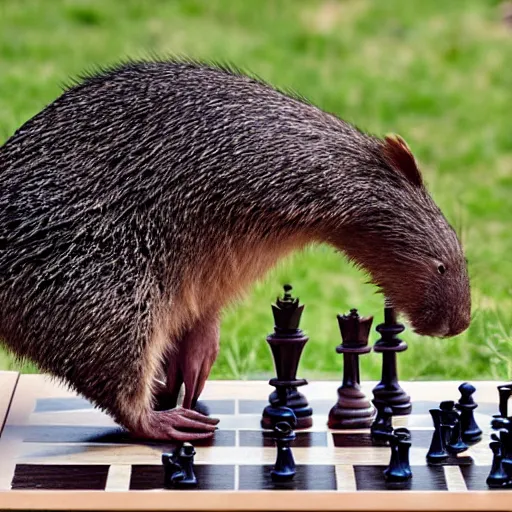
column 57, row 452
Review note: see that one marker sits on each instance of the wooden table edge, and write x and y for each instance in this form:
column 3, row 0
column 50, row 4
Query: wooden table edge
column 252, row 501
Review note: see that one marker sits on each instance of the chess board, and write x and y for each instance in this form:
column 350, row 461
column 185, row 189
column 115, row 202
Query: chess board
column 57, row 452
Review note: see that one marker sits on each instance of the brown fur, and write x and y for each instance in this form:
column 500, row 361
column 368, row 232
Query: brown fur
column 145, row 199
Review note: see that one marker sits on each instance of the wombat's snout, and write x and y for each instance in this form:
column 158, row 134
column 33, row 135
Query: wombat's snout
column 442, row 325
column 458, row 324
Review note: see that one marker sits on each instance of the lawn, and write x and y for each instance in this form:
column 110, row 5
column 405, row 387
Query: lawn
column 438, row 73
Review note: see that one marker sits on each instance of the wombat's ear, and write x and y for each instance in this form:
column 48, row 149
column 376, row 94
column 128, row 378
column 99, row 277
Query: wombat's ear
column 399, row 156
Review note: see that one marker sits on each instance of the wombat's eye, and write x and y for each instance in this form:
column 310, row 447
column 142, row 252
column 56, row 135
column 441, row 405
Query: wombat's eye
column 441, row 269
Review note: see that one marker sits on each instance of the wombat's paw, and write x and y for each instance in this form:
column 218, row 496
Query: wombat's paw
column 177, row 424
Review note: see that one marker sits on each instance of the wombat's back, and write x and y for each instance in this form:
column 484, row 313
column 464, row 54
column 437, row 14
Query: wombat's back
column 140, row 189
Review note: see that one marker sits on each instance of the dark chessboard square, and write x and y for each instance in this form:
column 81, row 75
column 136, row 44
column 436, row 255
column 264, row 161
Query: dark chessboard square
column 307, row 478
column 475, row 477
column 252, row 406
column 419, row 438
column 209, row 477
column 219, row 406
column 320, row 407
column 62, row 404
column 220, row 438
column 264, row 438
column 424, row 478
column 69, row 434
column 63, row 477
column 105, row 435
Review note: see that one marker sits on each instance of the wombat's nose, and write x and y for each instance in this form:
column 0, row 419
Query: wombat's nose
column 458, row 326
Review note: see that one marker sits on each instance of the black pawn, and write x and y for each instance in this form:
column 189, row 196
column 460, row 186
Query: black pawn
column 179, row 467
column 284, row 467
column 450, row 419
column 382, row 426
column 437, row 451
column 497, row 476
column 280, row 414
column 399, row 469
column 471, row 432
column 506, row 451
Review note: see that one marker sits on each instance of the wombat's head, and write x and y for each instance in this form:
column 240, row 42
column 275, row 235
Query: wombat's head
column 402, row 239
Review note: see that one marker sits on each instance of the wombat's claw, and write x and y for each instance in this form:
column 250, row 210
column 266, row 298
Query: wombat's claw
column 167, row 425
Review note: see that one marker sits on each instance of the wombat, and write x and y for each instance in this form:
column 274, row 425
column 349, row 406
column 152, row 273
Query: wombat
column 150, row 195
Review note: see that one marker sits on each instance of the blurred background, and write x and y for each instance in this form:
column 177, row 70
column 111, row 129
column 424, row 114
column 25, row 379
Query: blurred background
column 439, row 73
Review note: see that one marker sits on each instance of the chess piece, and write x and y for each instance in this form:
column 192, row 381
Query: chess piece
column 437, row 452
column 505, row 438
column 399, row 468
column 353, row 409
column 504, row 391
column 280, row 414
column 450, row 418
column 388, row 389
column 382, row 426
column 179, row 467
column 497, row 476
column 284, row 467
column 286, row 343
column 471, row 432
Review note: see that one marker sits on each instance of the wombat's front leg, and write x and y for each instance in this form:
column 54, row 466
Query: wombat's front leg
column 197, row 353
column 190, row 365
column 177, row 424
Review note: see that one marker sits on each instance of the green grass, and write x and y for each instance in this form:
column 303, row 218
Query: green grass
column 439, row 73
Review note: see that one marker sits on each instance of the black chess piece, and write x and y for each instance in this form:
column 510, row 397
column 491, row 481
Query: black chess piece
column 179, row 467
column 504, row 391
column 450, row 418
column 497, row 476
column 471, row 432
column 353, row 409
column 382, row 426
column 399, row 469
column 505, row 438
column 388, row 389
column 437, row 452
column 287, row 343
column 284, row 467
column 280, row 414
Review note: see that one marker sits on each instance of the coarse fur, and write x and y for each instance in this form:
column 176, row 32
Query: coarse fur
column 147, row 197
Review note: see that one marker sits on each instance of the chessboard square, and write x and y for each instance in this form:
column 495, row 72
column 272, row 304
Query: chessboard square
column 350, row 440
column 307, row 478
column 252, row 406
column 62, row 477
column 209, row 477
column 220, row 438
column 264, row 439
column 419, row 439
column 61, row 404
column 69, row 434
column 105, row 435
column 320, row 407
column 424, row 478
column 219, row 406
column 475, row 477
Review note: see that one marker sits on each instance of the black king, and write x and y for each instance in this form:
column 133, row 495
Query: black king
column 287, row 342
